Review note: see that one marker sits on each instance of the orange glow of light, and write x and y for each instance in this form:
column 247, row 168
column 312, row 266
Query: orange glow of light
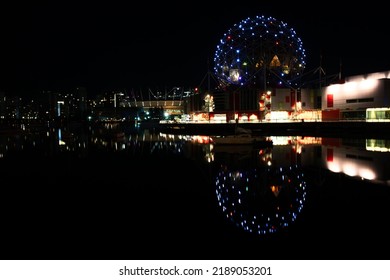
column 200, row 139
column 275, row 190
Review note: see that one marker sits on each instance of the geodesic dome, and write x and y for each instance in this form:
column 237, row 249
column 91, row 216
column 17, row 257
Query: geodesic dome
column 259, row 51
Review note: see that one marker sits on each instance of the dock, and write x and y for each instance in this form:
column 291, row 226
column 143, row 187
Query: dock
column 360, row 129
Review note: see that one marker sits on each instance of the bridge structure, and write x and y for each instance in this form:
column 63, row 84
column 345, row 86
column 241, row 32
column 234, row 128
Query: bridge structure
column 177, row 102
column 165, row 104
column 173, row 100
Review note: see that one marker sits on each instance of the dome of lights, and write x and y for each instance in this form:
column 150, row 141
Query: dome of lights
column 261, row 201
column 259, row 51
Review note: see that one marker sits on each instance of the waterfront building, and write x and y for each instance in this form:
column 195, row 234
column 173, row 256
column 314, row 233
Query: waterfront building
column 359, row 97
column 365, row 96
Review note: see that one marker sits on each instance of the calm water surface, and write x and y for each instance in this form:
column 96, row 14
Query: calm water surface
column 113, row 192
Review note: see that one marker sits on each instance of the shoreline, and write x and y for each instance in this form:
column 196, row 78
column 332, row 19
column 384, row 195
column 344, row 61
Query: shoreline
column 332, row 128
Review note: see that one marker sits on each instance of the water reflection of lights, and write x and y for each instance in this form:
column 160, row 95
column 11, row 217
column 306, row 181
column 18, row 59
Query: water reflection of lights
column 265, row 155
column 261, row 201
column 365, row 163
column 199, row 139
column 378, row 145
column 204, row 141
column 351, row 169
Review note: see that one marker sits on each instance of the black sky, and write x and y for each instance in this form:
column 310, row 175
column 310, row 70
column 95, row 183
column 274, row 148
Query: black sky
column 129, row 45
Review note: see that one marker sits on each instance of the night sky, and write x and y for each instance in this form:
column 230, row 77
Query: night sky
column 126, row 45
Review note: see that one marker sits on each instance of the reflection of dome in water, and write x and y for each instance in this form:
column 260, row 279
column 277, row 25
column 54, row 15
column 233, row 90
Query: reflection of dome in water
column 261, row 201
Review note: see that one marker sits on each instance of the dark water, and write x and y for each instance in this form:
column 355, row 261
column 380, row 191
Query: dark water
column 124, row 193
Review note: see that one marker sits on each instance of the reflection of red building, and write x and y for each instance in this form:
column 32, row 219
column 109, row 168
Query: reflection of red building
column 359, row 162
